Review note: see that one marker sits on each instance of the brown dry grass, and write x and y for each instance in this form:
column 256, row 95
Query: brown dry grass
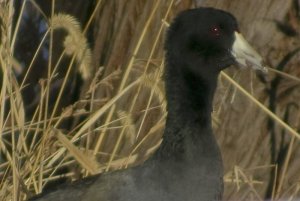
column 119, row 118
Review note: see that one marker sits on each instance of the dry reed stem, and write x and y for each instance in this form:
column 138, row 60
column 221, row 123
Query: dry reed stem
column 285, row 168
column 87, row 25
column 264, row 108
column 13, row 41
column 285, row 75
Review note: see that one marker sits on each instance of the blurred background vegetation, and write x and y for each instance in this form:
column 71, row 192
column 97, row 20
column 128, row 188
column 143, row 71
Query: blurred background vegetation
column 82, row 93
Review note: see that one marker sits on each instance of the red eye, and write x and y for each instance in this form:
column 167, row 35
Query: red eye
column 215, row 31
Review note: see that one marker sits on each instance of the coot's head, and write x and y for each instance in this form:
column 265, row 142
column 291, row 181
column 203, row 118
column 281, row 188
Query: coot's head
column 207, row 40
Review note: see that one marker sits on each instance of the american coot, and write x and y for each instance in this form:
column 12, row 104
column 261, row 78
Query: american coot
column 188, row 165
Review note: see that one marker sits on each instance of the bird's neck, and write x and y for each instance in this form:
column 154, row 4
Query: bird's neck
column 189, row 98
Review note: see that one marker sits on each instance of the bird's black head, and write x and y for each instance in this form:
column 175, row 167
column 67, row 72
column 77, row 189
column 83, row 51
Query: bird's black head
column 201, row 39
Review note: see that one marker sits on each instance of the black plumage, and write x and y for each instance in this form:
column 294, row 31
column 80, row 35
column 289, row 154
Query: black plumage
column 188, row 165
